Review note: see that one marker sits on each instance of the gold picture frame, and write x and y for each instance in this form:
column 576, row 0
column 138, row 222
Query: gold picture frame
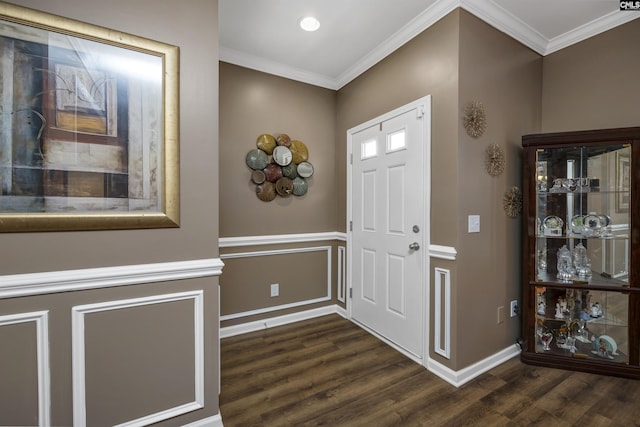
column 89, row 122
column 623, row 182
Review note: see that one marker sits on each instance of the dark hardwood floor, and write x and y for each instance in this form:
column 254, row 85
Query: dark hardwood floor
column 329, row 372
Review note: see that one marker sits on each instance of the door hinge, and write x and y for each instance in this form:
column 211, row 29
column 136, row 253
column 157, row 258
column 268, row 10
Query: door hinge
column 351, row 158
column 350, row 225
column 420, row 112
column 350, row 292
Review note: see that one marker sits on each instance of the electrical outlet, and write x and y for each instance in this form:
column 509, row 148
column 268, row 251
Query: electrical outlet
column 513, row 311
column 275, row 289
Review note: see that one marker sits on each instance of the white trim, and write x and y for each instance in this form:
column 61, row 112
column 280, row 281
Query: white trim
column 246, row 60
column 215, row 421
column 78, row 314
column 442, row 286
column 41, row 318
column 589, row 29
column 503, row 20
column 278, row 239
column 326, row 297
column 18, row 285
column 258, row 325
column 417, row 25
column 488, row 11
column 342, row 273
column 423, row 107
column 443, row 252
column 461, row 377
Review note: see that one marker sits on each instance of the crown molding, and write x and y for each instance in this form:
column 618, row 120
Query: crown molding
column 486, row 10
column 506, row 22
column 272, row 67
column 595, row 27
column 417, row 25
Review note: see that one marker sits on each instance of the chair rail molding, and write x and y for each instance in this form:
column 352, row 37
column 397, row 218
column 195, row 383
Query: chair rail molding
column 18, row 285
column 277, row 239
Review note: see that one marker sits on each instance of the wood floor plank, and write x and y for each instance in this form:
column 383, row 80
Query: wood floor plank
column 330, row 372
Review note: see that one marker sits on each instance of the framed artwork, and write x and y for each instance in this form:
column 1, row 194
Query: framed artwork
column 88, row 126
column 623, row 182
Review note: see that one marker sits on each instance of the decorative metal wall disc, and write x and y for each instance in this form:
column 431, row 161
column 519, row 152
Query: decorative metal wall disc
column 284, row 187
column 300, row 186
column 266, row 191
column 283, row 139
column 290, row 171
column 258, row 177
column 282, row 155
column 305, row 169
column 273, row 172
column 257, row 159
column 299, row 151
column 266, row 143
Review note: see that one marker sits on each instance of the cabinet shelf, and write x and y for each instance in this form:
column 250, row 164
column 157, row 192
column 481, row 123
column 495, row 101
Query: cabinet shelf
column 581, row 251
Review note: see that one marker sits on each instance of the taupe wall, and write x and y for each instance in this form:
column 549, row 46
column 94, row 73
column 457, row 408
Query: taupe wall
column 594, row 84
column 194, row 30
column 506, row 77
column 253, row 103
column 426, row 65
column 458, row 60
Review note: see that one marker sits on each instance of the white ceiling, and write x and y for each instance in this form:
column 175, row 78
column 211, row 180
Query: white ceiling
column 356, row 34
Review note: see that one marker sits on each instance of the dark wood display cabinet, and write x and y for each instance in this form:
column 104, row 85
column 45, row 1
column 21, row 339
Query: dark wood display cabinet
column 581, row 251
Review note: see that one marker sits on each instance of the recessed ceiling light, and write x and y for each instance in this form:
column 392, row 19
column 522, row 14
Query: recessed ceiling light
column 309, row 23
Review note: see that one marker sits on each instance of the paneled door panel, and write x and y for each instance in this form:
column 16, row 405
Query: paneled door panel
column 388, row 219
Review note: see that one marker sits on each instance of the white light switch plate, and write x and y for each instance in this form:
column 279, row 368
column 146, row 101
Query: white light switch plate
column 474, row 223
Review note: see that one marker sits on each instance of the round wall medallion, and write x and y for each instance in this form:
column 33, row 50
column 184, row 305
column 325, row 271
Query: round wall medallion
column 283, row 139
column 266, row 143
column 257, row 159
column 258, row 177
column 305, row 169
column 273, row 172
column 266, row 191
column 290, row 171
column 282, row 155
column 300, row 186
column 299, row 151
column 284, row 187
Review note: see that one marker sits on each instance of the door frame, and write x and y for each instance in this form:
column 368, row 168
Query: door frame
column 423, row 103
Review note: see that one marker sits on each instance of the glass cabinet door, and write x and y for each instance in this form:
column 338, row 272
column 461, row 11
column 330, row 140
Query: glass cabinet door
column 582, row 244
column 583, row 215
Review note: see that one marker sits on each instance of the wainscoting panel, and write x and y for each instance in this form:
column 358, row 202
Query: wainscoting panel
column 127, row 350
column 303, row 276
column 442, row 312
column 342, row 274
column 25, row 395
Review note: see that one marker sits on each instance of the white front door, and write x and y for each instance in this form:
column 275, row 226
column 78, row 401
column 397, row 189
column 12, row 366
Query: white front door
column 389, row 214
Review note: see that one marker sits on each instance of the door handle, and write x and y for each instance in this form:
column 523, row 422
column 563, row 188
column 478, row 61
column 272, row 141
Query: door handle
column 414, row 246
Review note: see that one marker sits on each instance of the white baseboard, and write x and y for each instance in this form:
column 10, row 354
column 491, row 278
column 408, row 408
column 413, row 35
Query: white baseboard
column 215, row 421
column 229, row 331
column 461, row 377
